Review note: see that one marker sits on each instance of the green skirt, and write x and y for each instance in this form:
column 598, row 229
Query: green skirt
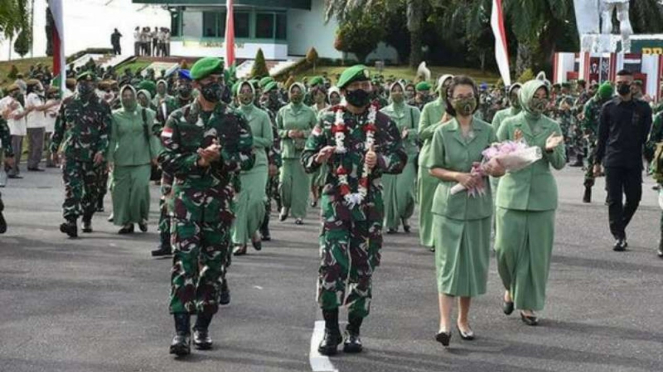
column 131, row 194
column 249, row 205
column 398, row 194
column 294, row 187
column 523, row 246
column 462, row 255
column 427, row 186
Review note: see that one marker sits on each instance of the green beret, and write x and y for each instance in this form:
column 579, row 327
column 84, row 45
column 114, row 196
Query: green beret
column 271, row 85
column 566, row 85
column 352, row 74
column 205, row 67
column 264, row 81
column 424, row 85
column 235, row 88
column 316, row 81
column 606, row 90
column 149, row 86
column 86, row 75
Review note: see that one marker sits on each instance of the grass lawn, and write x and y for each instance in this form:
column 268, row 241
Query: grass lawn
column 405, row 72
column 138, row 63
column 23, row 66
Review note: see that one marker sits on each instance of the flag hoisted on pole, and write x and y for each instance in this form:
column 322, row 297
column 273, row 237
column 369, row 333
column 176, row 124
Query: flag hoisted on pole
column 230, row 34
column 59, row 61
column 501, row 51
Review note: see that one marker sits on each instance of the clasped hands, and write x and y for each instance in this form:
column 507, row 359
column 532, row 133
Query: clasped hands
column 371, row 158
column 552, row 141
column 209, row 154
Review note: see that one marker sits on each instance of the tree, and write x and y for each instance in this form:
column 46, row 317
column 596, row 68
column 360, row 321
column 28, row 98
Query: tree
column 259, row 69
column 312, row 57
column 359, row 33
column 23, row 43
column 50, row 24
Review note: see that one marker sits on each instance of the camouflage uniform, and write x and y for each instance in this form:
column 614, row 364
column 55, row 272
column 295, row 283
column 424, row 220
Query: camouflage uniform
column 351, row 239
column 590, row 126
column 654, row 154
column 82, row 127
column 200, row 206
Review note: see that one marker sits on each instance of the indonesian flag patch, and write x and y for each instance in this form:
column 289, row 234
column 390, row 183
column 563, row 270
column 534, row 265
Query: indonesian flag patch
column 167, row 132
column 317, row 131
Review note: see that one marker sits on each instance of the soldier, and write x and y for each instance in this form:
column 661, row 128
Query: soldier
column 423, row 95
column 590, row 126
column 565, row 118
column 654, row 154
column 205, row 145
column 359, row 144
column 82, row 128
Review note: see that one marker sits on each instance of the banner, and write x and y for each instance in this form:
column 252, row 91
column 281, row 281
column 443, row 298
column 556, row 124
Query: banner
column 501, row 51
column 59, row 60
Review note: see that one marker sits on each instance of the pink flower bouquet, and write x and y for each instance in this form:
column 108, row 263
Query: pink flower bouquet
column 512, row 155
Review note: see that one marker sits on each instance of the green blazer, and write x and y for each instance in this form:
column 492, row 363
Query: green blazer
column 294, row 117
column 430, row 120
column 449, row 150
column 128, row 145
column 261, row 129
column 406, row 117
column 533, row 188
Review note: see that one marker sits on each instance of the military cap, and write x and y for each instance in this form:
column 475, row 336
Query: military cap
column 86, row 75
column 149, row 86
column 424, row 85
column 317, row 80
column 270, row 86
column 606, row 90
column 352, row 74
column 205, row 67
column 566, row 84
column 264, row 81
column 12, row 88
column 184, row 74
column 31, row 82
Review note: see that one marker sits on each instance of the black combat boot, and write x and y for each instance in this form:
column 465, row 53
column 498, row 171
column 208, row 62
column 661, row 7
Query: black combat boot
column 224, row 293
column 181, row 344
column 352, row 343
column 3, row 223
column 100, row 204
column 201, row 338
column 587, row 197
column 579, row 161
column 87, row 223
column 332, row 338
column 264, row 229
column 660, row 248
column 69, row 227
column 164, row 248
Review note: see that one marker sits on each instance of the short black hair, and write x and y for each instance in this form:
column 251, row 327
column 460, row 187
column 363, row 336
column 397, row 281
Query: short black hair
column 624, row 72
column 456, row 81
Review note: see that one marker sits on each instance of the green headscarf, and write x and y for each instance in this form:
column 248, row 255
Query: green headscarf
column 527, row 99
column 131, row 105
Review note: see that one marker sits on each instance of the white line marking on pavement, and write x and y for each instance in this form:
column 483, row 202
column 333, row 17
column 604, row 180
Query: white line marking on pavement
column 257, row 287
column 319, row 362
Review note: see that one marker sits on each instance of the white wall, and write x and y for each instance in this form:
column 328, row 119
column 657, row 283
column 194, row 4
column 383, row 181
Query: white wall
column 192, row 24
column 243, row 51
column 307, row 29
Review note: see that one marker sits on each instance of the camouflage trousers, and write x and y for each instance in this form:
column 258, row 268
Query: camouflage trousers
column 81, row 188
column 166, row 189
column 200, row 256
column 102, row 175
column 589, row 165
column 272, row 193
column 349, row 253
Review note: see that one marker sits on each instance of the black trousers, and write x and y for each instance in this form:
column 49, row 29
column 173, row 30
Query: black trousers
column 622, row 182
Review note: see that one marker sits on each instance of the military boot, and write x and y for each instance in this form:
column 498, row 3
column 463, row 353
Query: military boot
column 332, row 337
column 264, row 229
column 224, row 293
column 3, row 223
column 587, row 198
column 201, row 338
column 579, row 162
column 352, row 343
column 87, row 223
column 69, row 227
column 181, row 344
column 164, row 248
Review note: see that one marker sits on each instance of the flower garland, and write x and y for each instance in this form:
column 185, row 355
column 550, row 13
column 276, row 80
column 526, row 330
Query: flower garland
column 339, row 130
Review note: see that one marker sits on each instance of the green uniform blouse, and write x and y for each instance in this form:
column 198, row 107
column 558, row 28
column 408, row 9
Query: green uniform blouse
column 294, row 117
column 128, row 143
column 406, row 117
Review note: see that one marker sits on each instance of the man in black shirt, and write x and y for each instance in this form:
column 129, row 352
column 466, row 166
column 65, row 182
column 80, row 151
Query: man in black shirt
column 624, row 125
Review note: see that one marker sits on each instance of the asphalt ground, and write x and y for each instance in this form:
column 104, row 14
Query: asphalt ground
column 99, row 303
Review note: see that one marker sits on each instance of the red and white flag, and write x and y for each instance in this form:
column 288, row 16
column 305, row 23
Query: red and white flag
column 59, row 59
column 230, row 34
column 501, row 51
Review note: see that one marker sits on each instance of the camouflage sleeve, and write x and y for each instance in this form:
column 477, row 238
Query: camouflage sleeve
column 586, row 123
column 655, row 136
column 391, row 153
column 174, row 159
column 5, row 138
column 58, row 132
column 316, row 141
column 104, row 131
column 238, row 154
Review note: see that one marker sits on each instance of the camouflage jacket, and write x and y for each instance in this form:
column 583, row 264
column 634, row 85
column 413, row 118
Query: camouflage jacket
column 391, row 160
column 5, row 139
column 273, row 153
column 82, row 128
column 204, row 194
column 590, row 124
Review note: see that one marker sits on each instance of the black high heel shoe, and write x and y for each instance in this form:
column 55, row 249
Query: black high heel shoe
column 468, row 336
column 443, row 338
column 507, row 307
column 529, row 320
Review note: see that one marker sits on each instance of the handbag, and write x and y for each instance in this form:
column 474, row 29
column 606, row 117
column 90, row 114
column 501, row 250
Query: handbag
column 155, row 172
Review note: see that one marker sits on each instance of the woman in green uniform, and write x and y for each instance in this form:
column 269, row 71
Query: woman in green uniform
column 250, row 201
column 318, row 178
column 398, row 192
column 132, row 150
column 431, row 117
column 525, row 206
column 461, row 222
column 295, row 121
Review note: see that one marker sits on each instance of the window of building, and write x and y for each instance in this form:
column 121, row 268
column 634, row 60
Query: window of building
column 242, row 25
column 210, row 24
column 265, row 25
column 175, row 18
column 281, row 26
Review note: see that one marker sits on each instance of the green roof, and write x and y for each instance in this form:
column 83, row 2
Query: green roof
column 296, row 4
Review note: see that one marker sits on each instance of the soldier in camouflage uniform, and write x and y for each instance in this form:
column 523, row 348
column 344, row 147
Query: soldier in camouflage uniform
column 205, row 145
column 654, row 154
column 82, row 127
column 351, row 237
column 566, row 119
column 272, row 105
column 183, row 98
column 590, row 125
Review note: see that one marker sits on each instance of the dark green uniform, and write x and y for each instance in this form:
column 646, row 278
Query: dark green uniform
column 590, row 126
column 654, row 154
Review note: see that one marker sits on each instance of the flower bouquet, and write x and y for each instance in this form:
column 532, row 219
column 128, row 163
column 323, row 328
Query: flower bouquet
column 511, row 155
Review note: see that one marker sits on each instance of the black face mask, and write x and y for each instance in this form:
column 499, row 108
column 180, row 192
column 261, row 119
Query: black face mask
column 184, row 91
column 358, row 97
column 623, row 89
column 212, row 91
column 85, row 90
